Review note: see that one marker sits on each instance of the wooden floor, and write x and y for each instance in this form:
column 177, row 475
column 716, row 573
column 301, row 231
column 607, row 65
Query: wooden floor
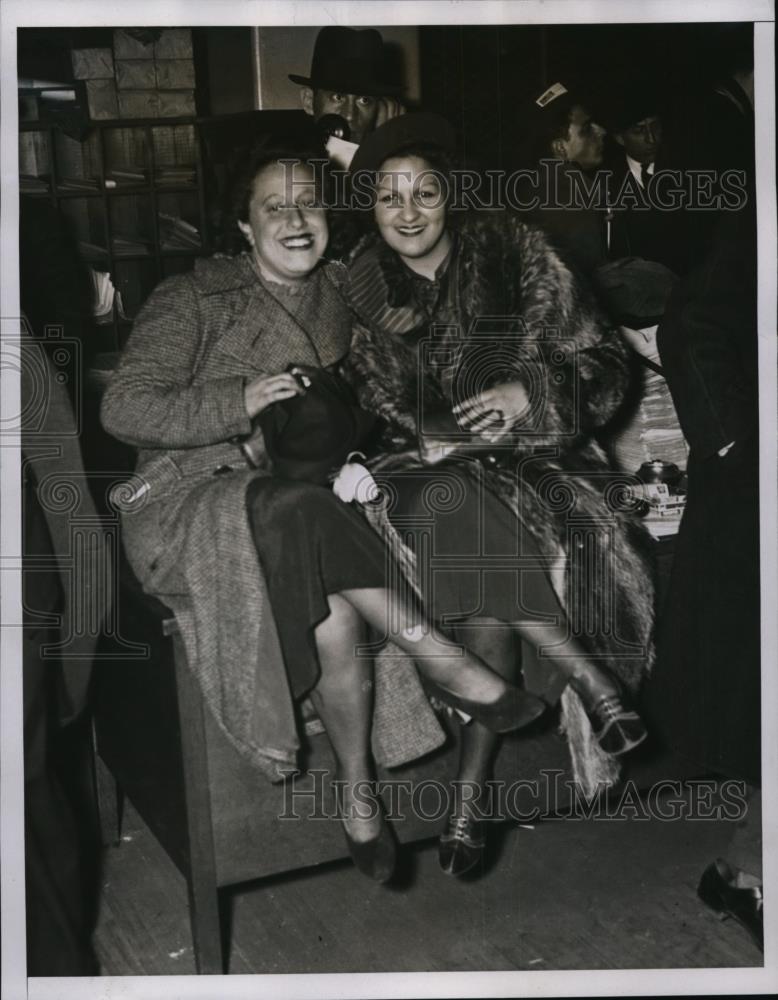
column 564, row 895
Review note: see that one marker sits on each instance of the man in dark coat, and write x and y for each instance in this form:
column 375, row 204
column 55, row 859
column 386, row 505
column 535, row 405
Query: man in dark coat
column 706, row 687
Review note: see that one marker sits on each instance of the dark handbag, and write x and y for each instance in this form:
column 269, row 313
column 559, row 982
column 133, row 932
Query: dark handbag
column 307, row 437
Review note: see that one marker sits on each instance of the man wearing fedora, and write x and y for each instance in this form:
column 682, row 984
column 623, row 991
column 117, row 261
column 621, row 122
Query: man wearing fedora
column 346, row 79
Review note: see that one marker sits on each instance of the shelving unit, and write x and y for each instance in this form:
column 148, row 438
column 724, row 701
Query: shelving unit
column 138, row 232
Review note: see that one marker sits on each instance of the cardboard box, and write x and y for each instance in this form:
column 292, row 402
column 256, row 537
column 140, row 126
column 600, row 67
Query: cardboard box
column 34, row 156
column 176, row 103
column 174, row 43
column 101, row 99
column 127, row 47
column 135, row 74
column 175, row 74
column 92, row 64
column 138, row 104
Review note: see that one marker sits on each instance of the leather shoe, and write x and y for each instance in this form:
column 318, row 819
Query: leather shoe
column 461, row 846
column 617, row 727
column 717, row 890
column 376, row 858
column 514, row 709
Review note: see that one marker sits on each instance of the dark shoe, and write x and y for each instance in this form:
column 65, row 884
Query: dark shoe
column 376, row 858
column 513, row 710
column 717, row 891
column 461, row 846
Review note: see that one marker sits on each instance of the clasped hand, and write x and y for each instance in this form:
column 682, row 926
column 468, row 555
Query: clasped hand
column 491, row 414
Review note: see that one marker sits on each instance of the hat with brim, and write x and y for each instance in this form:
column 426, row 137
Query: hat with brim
column 423, row 128
column 349, row 61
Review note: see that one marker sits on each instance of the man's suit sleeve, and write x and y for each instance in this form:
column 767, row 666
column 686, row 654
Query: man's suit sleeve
column 707, row 344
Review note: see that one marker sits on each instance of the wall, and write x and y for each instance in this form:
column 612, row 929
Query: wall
column 280, row 51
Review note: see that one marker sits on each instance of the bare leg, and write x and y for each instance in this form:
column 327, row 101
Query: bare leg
column 568, row 655
column 452, row 666
column 343, row 698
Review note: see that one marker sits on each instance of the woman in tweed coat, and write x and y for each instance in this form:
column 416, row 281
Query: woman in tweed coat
column 263, row 571
column 480, row 338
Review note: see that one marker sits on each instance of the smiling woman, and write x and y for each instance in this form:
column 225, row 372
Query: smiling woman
column 475, row 337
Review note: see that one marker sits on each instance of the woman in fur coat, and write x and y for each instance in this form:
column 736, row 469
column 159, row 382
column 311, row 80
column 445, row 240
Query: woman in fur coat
column 492, row 369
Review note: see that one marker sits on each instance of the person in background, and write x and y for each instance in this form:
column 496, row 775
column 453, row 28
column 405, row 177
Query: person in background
column 705, row 694
column 566, row 141
column 635, row 152
column 66, row 584
column 346, row 80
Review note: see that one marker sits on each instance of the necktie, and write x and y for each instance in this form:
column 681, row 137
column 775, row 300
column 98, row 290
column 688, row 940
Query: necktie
column 645, row 176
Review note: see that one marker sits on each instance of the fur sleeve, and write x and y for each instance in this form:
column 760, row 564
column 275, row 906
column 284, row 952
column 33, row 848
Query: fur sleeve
column 587, row 362
column 573, row 364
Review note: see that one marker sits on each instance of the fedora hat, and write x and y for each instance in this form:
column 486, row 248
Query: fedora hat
column 348, row 60
column 421, row 126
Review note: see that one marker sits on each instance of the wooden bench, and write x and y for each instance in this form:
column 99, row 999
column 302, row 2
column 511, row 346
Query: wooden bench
column 215, row 815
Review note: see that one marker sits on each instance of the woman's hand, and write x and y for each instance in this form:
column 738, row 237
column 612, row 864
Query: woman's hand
column 265, row 390
column 492, row 413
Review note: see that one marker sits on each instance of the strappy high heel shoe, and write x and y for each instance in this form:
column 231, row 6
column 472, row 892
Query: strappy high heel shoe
column 514, row 709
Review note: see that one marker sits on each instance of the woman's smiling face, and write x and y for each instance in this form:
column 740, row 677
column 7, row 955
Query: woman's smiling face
column 287, row 224
column 410, row 212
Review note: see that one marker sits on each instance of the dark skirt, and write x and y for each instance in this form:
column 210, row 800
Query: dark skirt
column 475, row 558
column 310, row 544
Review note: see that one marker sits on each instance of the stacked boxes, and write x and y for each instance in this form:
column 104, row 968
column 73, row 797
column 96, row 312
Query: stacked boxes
column 142, row 77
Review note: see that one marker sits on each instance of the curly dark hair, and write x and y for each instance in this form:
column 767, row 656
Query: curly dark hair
column 305, row 149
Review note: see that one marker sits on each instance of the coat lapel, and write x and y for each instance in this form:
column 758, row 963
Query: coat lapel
column 264, row 337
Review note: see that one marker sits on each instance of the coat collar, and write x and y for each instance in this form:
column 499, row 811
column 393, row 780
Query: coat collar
column 262, row 335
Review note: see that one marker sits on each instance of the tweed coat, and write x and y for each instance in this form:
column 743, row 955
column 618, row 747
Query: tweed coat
column 178, row 396
column 505, row 276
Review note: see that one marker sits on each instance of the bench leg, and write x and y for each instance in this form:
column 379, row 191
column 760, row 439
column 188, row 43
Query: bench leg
column 201, row 882
column 109, row 798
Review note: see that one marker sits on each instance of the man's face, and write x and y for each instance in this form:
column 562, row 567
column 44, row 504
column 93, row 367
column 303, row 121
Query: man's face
column 641, row 140
column 359, row 110
column 583, row 144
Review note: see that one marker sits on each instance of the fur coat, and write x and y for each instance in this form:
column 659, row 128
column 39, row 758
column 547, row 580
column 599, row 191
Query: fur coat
column 509, row 309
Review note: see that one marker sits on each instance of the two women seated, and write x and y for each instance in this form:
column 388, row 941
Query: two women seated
column 489, row 369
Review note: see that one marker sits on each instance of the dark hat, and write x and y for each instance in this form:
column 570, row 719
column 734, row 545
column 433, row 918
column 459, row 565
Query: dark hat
column 348, row 60
column 628, row 104
column 634, row 290
column 310, row 435
column 422, row 127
